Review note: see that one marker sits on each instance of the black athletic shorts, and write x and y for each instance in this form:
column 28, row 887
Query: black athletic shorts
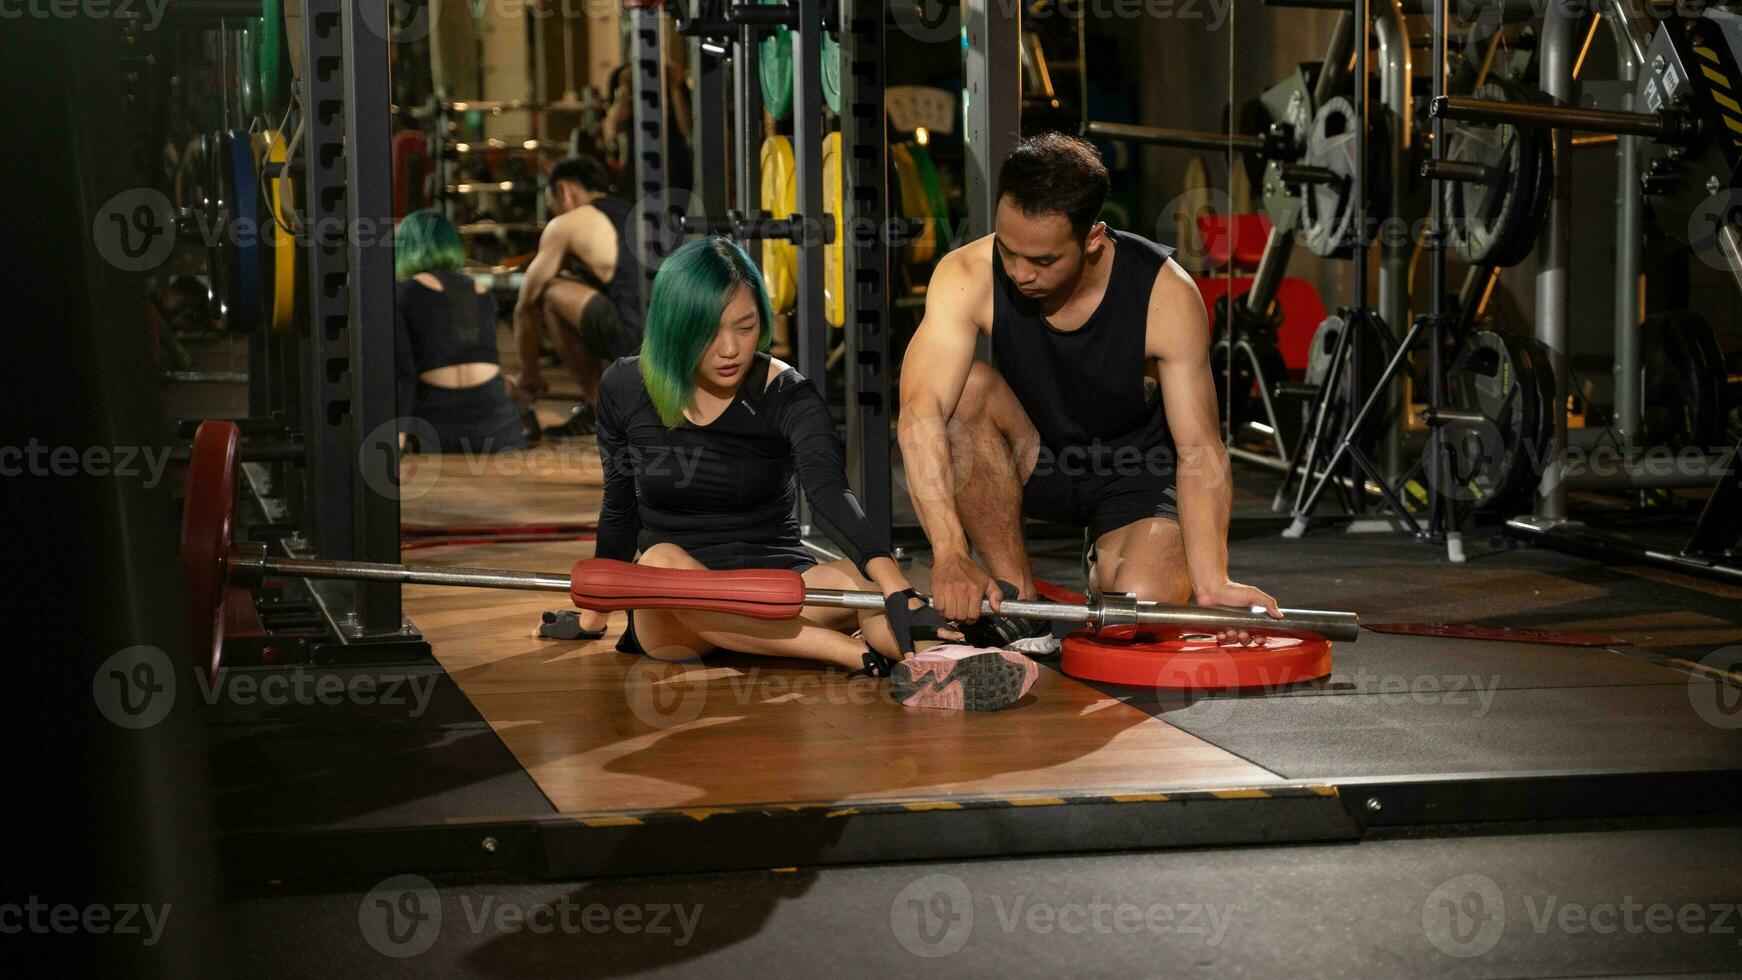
column 603, row 331
column 726, row 557
column 1103, row 495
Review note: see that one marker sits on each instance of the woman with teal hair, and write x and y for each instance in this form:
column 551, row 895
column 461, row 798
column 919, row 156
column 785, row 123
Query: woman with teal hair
column 702, row 435
column 448, row 371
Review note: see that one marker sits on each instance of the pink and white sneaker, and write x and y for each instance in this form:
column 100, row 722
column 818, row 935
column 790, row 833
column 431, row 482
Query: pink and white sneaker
column 951, row 675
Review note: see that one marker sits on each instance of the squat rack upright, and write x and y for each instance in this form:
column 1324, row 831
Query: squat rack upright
column 724, row 37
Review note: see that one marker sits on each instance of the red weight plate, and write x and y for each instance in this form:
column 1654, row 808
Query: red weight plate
column 1185, row 660
column 208, row 525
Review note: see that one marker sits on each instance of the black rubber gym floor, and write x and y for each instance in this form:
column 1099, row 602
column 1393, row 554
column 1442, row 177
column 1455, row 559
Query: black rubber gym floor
column 410, row 750
column 1404, row 705
column 1594, row 900
column 1335, row 737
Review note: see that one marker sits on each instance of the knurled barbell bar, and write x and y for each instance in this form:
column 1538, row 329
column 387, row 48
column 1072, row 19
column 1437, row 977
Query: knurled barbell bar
column 212, row 560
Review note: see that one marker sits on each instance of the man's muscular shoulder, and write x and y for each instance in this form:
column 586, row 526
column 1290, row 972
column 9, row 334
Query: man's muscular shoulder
column 963, row 280
column 1177, row 321
column 580, row 222
column 971, row 261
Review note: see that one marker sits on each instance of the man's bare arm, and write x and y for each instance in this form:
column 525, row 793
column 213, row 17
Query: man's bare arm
column 934, row 372
column 529, row 306
column 1179, row 340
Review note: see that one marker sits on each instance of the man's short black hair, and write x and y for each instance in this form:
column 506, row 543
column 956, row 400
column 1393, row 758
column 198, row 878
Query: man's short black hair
column 585, row 172
column 1056, row 174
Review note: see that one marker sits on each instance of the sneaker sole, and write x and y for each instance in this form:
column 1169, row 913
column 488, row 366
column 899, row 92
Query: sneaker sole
column 984, row 682
column 1051, row 653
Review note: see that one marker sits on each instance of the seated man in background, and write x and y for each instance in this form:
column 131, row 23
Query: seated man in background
column 581, row 291
column 447, row 369
column 1103, row 379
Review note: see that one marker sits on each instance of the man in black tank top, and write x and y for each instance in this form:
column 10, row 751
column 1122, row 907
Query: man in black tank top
column 580, row 290
column 1101, row 411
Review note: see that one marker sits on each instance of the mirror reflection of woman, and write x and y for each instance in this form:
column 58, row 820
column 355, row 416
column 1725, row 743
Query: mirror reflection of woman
column 448, row 371
column 701, row 436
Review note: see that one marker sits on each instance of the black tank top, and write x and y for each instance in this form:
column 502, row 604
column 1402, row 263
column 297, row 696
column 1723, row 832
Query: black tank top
column 624, row 290
column 1085, row 387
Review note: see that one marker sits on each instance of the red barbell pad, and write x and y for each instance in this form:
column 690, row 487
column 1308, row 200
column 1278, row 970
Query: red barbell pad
column 1186, row 660
column 208, row 525
column 608, row 585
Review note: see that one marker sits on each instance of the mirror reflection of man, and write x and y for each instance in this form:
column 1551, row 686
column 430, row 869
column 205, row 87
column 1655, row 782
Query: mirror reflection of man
column 580, row 294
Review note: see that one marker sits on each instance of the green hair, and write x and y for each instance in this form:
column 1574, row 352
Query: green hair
column 690, row 294
column 424, row 242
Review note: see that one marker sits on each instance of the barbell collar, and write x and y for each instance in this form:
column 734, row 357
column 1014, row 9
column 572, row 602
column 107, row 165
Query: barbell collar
column 1117, row 610
column 245, row 564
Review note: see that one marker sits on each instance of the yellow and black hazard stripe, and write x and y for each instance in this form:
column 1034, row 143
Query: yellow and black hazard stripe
column 1716, row 65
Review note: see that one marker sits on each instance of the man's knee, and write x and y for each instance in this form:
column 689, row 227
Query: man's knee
column 981, row 393
column 1172, row 588
column 991, row 418
column 666, row 555
column 1147, row 559
column 555, row 326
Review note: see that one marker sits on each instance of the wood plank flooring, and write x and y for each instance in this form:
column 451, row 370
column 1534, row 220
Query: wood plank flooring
column 600, row 730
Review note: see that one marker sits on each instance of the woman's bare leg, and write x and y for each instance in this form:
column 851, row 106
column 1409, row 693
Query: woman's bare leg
column 682, row 634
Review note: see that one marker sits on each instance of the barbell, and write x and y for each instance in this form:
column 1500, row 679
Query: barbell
column 212, row 561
